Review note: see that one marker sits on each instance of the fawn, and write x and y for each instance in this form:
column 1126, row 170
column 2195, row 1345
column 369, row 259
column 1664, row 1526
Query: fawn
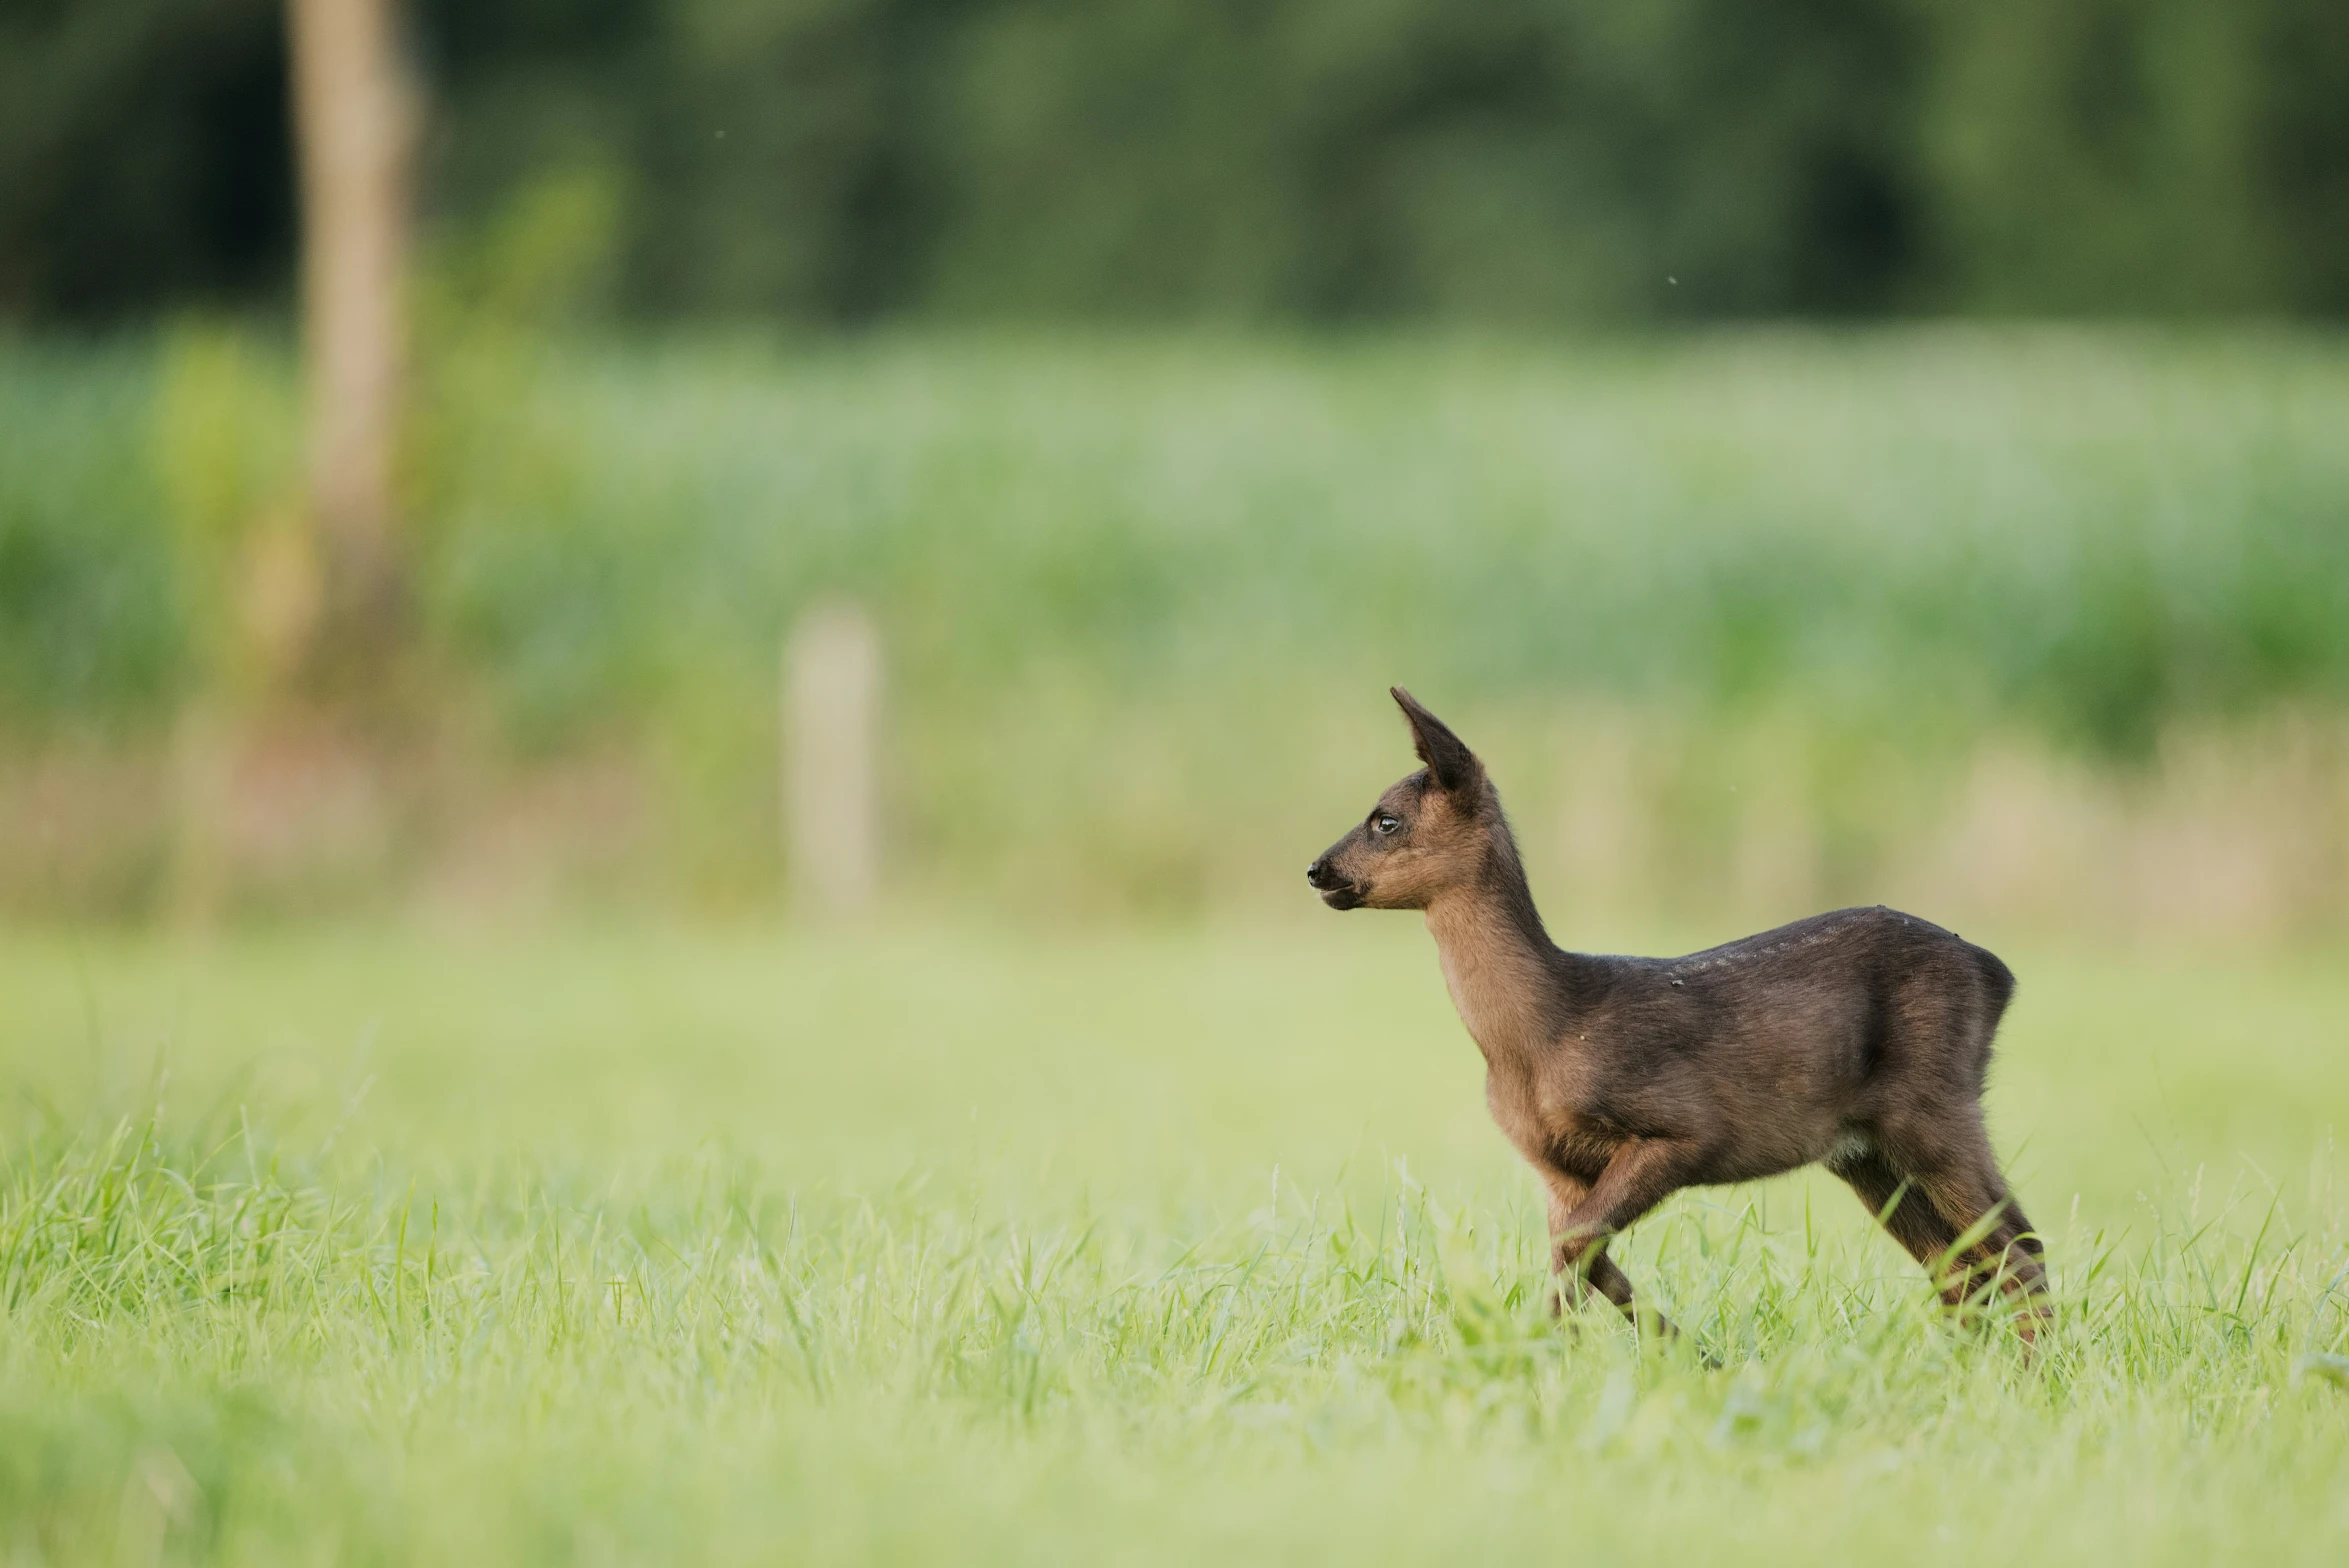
column 1857, row 1039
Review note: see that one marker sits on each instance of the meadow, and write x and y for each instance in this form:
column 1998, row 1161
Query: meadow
column 584, row 1243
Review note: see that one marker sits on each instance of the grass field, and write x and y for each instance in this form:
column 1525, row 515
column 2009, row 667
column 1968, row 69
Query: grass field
column 597, row 1244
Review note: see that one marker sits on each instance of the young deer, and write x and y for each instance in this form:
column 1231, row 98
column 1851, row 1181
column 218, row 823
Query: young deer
column 1857, row 1040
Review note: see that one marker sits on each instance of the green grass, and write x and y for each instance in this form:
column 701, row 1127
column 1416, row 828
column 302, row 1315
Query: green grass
column 590, row 1245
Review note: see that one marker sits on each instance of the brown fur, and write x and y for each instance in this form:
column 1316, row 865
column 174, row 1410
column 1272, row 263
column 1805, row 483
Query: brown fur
column 1858, row 1040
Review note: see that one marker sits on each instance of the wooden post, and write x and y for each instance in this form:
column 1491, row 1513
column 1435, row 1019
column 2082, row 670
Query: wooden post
column 355, row 119
column 831, row 774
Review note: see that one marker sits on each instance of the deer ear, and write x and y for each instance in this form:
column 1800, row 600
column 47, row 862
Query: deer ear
column 1449, row 761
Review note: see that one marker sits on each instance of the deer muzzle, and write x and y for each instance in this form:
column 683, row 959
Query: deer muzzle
column 1336, row 890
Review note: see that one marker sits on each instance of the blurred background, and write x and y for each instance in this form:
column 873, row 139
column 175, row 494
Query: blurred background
column 700, row 644
column 516, row 456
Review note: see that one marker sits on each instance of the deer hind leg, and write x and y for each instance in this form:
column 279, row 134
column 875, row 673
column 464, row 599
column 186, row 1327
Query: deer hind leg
column 1902, row 1209
column 1962, row 1179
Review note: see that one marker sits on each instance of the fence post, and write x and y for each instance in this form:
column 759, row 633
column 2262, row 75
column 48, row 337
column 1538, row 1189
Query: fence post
column 831, row 773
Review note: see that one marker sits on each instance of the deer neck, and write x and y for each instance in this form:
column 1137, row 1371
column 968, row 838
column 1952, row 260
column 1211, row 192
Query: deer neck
column 1499, row 964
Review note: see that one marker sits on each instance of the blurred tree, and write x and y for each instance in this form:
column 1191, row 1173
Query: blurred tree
column 143, row 154
column 2301, row 158
column 2101, row 152
column 356, row 115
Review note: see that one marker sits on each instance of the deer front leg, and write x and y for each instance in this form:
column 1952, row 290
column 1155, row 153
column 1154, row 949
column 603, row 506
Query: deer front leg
column 1582, row 1218
column 1564, row 1193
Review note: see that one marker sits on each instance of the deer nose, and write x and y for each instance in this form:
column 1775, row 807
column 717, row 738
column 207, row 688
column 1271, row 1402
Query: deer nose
column 1318, row 873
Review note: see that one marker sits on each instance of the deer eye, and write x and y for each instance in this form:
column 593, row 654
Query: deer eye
column 1382, row 823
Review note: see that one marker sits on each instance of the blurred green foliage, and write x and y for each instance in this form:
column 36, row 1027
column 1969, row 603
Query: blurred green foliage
column 1274, row 159
column 1116, row 576
column 2097, row 532
column 225, row 451
column 90, row 615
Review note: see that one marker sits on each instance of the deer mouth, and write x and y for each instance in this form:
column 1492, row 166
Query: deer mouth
column 1344, row 896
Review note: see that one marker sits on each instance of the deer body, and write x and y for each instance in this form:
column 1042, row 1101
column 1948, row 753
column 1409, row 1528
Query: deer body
column 1858, row 1040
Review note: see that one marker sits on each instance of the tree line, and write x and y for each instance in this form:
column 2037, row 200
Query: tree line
column 1251, row 160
